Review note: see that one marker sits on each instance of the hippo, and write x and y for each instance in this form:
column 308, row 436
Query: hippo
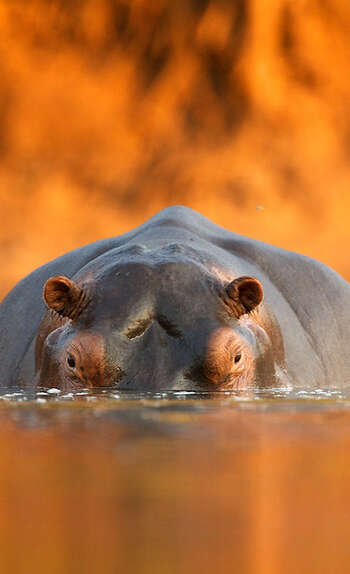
column 178, row 303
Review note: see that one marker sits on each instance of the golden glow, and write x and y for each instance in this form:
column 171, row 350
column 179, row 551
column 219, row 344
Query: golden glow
column 112, row 110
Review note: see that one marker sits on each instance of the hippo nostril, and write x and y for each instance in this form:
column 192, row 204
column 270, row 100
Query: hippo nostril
column 142, row 324
column 139, row 328
column 169, row 327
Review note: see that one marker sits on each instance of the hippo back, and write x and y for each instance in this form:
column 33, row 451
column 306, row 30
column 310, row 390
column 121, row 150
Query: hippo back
column 311, row 301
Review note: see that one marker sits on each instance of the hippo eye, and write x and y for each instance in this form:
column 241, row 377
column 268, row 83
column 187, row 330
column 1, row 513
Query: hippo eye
column 71, row 361
column 238, row 357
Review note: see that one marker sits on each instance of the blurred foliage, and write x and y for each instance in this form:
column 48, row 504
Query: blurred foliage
column 113, row 109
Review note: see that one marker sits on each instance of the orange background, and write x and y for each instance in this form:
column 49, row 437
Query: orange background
column 113, row 109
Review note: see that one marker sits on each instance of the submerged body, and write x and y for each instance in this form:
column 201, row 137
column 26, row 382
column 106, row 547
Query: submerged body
column 177, row 303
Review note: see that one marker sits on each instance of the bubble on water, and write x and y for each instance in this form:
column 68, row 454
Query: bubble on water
column 53, row 391
column 17, row 397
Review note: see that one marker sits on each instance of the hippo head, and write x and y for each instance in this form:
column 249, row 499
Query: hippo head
column 141, row 325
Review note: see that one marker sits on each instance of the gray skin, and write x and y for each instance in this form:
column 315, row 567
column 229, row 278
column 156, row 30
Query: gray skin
column 159, row 308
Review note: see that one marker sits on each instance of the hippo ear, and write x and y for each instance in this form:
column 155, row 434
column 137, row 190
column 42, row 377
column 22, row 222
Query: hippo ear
column 246, row 293
column 64, row 296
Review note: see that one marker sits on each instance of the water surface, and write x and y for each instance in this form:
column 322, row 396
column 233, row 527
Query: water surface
column 176, row 482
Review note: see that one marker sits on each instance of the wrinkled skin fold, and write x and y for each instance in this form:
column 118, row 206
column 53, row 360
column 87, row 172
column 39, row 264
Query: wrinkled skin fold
column 178, row 303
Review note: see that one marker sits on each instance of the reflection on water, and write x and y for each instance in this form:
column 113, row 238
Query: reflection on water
column 174, row 482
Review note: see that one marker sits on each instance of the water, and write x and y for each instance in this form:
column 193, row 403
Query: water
column 111, row 396
column 109, row 482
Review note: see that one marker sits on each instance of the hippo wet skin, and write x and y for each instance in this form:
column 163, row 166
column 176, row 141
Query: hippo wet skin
column 177, row 303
